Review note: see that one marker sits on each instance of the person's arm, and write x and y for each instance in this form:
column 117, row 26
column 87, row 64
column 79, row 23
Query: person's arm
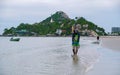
column 72, row 29
column 72, row 33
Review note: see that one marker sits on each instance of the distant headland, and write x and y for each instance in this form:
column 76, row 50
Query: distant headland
column 58, row 24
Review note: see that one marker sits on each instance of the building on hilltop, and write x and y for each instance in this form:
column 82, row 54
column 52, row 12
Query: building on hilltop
column 51, row 20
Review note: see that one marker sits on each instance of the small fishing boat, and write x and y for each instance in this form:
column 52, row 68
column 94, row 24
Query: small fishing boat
column 14, row 39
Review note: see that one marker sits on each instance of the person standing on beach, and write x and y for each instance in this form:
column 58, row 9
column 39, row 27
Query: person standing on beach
column 97, row 38
column 75, row 38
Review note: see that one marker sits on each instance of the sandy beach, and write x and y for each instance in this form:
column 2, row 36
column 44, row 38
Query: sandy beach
column 109, row 61
column 111, row 42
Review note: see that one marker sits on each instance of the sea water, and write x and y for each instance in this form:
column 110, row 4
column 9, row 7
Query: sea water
column 49, row 56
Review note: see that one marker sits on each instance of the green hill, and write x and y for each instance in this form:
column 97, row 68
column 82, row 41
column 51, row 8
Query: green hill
column 56, row 24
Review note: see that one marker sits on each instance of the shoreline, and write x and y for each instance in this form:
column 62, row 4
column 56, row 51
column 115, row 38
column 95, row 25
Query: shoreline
column 63, row 36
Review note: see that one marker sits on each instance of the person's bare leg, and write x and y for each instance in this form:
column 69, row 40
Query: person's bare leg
column 74, row 51
column 77, row 49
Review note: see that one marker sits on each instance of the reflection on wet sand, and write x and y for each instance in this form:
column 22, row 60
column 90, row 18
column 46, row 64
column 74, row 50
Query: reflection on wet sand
column 78, row 67
column 75, row 59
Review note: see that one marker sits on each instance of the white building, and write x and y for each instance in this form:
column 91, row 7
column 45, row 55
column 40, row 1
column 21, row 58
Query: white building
column 51, row 20
column 58, row 31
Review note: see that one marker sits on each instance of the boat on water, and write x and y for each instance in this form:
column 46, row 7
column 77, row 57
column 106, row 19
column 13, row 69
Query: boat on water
column 14, row 39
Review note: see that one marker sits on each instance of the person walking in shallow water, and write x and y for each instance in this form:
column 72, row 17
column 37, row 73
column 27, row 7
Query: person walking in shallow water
column 97, row 38
column 75, row 38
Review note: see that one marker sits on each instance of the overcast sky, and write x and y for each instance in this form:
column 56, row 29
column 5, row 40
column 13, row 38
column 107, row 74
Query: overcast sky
column 104, row 13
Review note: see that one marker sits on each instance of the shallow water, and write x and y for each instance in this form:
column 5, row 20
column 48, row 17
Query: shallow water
column 49, row 56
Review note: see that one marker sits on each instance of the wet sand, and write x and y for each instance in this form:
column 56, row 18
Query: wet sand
column 111, row 42
column 109, row 61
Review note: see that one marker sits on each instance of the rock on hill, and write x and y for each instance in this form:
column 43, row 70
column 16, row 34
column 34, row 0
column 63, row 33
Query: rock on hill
column 59, row 16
